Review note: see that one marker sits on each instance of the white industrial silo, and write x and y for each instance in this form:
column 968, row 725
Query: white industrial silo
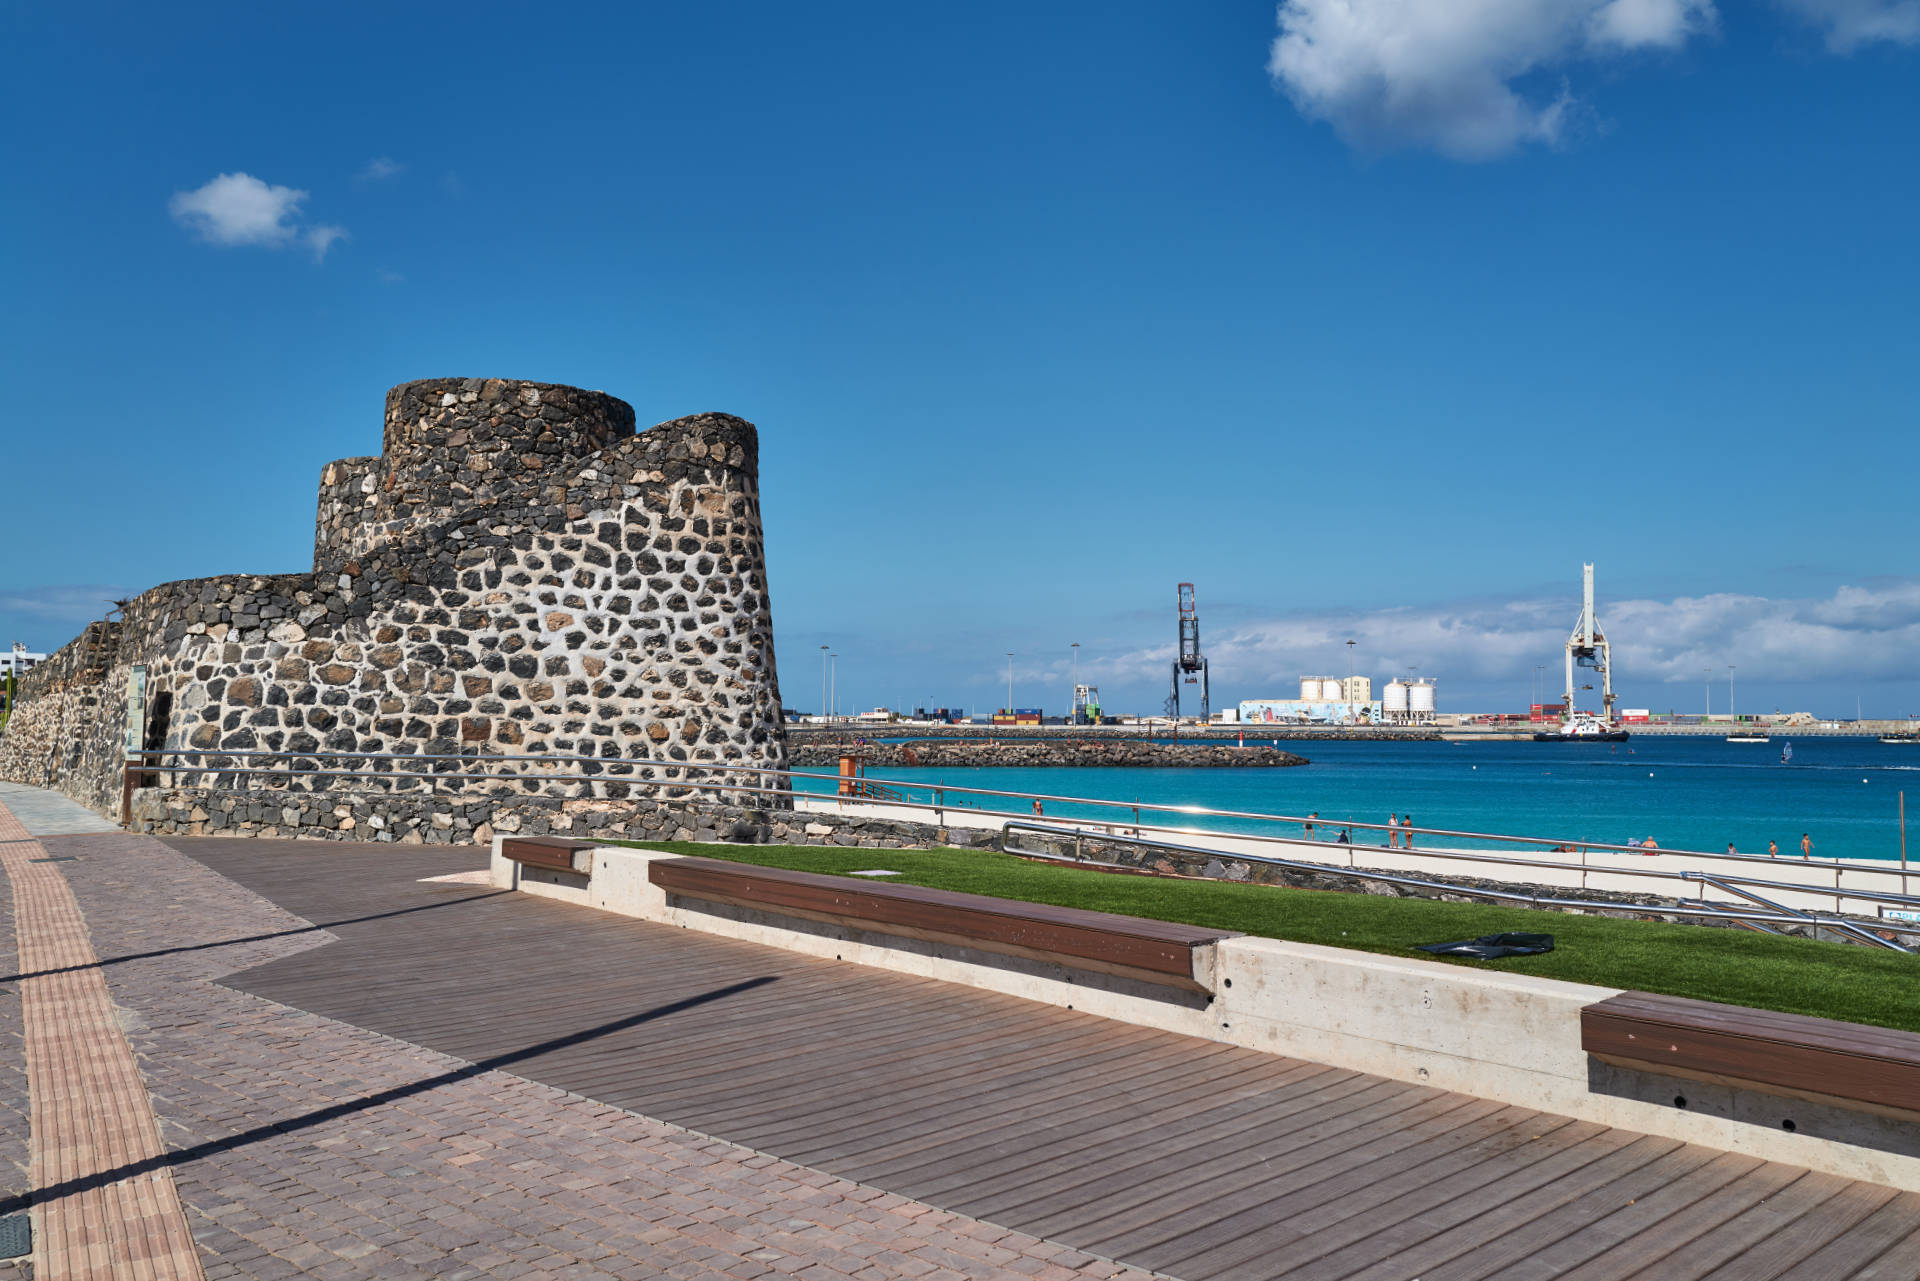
column 1421, row 700
column 1330, row 691
column 1395, row 702
column 1309, row 689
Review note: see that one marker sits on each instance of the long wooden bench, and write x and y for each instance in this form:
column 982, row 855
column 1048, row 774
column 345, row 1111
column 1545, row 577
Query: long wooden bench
column 1158, row 952
column 1873, row 1068
column 552, row 853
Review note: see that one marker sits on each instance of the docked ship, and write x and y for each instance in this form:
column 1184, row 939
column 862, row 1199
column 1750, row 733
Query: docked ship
column 1583, row 729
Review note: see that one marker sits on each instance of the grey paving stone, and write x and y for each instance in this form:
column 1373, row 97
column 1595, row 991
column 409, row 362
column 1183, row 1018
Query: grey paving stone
column 285, row 1170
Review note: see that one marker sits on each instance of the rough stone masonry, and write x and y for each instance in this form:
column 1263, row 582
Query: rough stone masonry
column 517, row 573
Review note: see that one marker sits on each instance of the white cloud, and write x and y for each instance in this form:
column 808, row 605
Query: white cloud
column 240, row 209
column 321, row 238
column 1443, row 73
column 380, row 168
column 1658, row 24
column 1851, row 23
column 1857, row 633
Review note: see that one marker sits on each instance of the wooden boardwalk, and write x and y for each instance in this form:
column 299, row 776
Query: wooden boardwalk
column 1183, row 1156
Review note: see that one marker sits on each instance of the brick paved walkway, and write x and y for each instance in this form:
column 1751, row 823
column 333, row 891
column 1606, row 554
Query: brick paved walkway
column 110, row 1209
column 15, row 1174
column 301, row 1146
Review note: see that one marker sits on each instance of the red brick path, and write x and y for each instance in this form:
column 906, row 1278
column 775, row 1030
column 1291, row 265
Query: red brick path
column 90, row 1110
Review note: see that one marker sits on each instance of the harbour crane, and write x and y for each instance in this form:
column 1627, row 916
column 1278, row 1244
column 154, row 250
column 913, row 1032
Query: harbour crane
column 1190, row 665
column 1588, row 647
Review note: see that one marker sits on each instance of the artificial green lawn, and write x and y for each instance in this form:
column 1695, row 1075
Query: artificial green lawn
column 1799, row 976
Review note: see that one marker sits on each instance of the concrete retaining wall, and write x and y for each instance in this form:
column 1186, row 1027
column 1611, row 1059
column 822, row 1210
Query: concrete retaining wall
column 1505, row 1037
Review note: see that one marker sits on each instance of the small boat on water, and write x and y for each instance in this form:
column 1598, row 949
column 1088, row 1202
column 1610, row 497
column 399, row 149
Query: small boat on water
column 1913, row 739
column 1750, row 736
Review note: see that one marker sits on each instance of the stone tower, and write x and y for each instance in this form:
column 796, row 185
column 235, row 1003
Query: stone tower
column 518, row 573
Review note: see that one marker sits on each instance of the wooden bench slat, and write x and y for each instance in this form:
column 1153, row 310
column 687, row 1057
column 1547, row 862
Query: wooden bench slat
column 1764, row 1048
column 1735, row 1020
column 553, row 853
column 1125, row 943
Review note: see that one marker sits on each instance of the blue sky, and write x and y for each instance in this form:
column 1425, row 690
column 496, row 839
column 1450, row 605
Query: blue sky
column 1373, row 319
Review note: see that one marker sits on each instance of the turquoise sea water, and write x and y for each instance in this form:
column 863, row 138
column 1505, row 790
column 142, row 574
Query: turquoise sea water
column 1688, row 793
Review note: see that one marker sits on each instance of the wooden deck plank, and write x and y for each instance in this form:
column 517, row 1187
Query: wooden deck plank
column 1212, row 1161
column 899, row 1137
column 1128, row 1098
column 1258, row 1156
column 1748, row 1236
column 1520, row 1216
column 1266, row 1224
column 1001, row 1042
column 1208, row 1215
column 1803, row 1242
column 1338, row 1249
column 1084, row 1086
column 1650, row 1249
column 1642, row 1206
column 1899, row 1262
column 1122, row 1149
column 1193, row 1120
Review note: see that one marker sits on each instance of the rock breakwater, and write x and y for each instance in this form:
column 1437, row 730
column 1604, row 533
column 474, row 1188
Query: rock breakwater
column 818, row 751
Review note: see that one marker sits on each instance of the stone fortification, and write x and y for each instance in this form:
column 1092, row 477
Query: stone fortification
column 1086, row 753
column 518, row 573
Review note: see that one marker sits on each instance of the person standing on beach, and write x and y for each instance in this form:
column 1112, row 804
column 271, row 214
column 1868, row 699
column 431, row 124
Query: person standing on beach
column 1406, row 830
column 1393, row 831
column 1309, row 823
column 1773, row 849
column 1806, row 846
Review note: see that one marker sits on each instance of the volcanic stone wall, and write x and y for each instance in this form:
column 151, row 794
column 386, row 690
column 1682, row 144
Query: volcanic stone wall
column 517, row 574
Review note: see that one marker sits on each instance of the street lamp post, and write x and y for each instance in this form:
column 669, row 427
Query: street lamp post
column 1730, row 710
column 1349, row 682
column 823, row 682
column 1709, row 672
column 1010, row 682
column 1073, row 696
column 833, row 686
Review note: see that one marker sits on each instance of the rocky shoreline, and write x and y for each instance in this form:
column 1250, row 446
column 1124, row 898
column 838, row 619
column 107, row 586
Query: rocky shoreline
column 816, row 751
column 803, row 734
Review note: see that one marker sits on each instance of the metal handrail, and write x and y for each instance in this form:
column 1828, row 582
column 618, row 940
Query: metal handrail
column 1781, row 916
column 1846, row 926
column 942, row 788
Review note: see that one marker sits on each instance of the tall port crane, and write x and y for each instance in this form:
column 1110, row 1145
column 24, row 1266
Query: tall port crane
column 1588, row 647
column 1191, row 664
